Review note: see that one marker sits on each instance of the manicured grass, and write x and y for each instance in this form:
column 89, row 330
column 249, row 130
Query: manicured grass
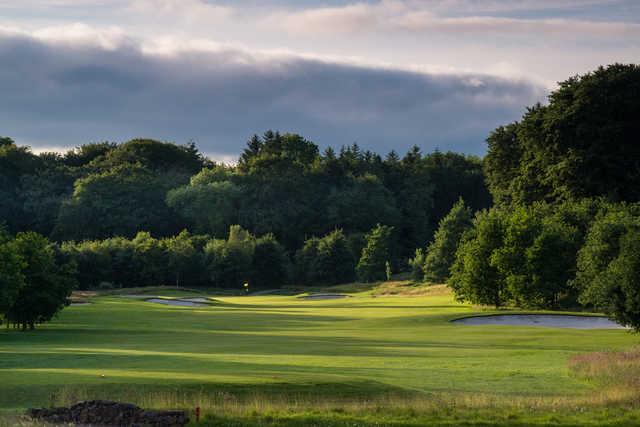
column 367, row 360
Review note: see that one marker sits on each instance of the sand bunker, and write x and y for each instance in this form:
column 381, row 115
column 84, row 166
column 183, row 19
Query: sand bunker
column 175, row 302
column 197, row 299
column 544, row 320
column 324, row 296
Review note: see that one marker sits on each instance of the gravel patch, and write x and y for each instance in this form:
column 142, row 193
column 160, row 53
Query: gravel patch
column 543, row 320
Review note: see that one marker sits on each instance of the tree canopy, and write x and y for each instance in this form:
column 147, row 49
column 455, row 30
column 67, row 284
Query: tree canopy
column 581, row 144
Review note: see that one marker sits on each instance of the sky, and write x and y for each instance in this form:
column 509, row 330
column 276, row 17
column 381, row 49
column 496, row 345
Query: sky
column 387, row 74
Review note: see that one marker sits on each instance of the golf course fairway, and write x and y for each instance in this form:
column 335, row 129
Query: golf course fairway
column 281, row 360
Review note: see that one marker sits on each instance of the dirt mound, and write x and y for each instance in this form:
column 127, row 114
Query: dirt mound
column 108, row 413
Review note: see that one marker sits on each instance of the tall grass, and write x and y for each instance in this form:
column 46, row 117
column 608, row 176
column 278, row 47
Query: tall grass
column 615, row 373
column 398, row 404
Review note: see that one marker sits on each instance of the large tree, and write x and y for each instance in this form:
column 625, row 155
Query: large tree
column 120, row 201
column 582, row 144
column 48, row 282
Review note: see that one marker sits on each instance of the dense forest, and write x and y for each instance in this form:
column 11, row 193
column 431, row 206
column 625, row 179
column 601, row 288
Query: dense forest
column 281, row 185
column 564, row 230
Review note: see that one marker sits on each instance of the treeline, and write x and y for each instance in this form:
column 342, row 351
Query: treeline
column 281, row 184
column 566, row 228
column 182, row 260
column 241, row 258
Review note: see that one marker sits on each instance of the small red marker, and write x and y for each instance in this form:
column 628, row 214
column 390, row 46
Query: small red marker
column 197, row 414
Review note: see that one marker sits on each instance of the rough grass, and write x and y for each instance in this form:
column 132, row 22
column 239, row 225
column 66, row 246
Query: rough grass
column 408, row 288
column 375, row 359
column 616, row 373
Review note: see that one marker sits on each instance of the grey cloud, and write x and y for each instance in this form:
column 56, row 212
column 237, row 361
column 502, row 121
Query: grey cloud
column 57, row 94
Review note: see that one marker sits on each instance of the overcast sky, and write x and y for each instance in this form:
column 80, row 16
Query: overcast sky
column 386, row 74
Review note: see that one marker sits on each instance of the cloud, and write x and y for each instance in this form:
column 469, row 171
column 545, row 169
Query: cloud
column 189, row 12
column 67, row 93
column 431, row 17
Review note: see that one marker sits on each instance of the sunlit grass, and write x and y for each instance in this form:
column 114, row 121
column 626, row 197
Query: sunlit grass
column 387, row 353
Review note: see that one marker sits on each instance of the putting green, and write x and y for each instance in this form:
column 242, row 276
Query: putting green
column 360, row 345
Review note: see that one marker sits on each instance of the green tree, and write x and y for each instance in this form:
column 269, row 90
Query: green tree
column 269, row 268
column 15, row 164
column 184, row 261
column 474, row 276
column 608, row 264
column 326, row 260
column 11, row 273
column 211, row 207
column 416, row 264
column 160, row 157
column 149, row 260
column 376, row 253
column 502, row 163
column 582, row 144
column 47, row 282
column 538, row 257
column 120, row 201
column 362, row 204
column 230, row 261
column 441, row 252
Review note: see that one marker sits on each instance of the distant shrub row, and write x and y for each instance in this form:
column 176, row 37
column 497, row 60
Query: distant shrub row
column 199, row 260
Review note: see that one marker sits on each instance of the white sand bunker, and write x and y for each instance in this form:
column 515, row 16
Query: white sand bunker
column 197, row 299
column 175, row 302
column 544, row 320
column 323, row 296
